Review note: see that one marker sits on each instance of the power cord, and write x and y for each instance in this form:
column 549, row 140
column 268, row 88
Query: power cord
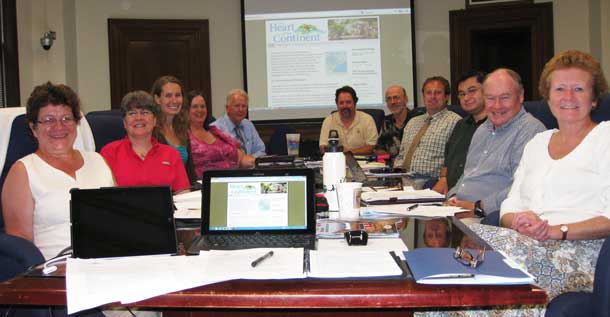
column 48, row 268
column 129, row 310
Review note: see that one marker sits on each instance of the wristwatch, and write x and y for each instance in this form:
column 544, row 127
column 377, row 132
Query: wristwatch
column 478, row 211
column 564, row 232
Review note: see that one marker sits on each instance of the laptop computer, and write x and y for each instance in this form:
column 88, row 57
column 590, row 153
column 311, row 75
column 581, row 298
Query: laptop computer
column 122, row 221
column 257, row 208
column 358, row 174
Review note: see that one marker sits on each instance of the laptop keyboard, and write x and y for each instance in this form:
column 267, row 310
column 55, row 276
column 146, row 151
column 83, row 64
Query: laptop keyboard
column 232, row 242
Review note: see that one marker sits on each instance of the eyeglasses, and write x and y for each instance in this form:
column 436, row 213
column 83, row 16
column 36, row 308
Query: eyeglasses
column 465, row 257
column 66, row 121
column 392, row 98
column 468, row 92
column 134, row 113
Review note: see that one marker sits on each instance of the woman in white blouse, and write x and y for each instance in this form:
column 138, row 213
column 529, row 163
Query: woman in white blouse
column 36, row 193
column 558, row 208
column 561, row 189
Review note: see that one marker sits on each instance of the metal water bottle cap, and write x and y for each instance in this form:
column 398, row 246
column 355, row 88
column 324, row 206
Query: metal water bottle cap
column 333, row 142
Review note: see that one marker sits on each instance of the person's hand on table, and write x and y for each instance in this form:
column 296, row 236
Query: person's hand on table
column 529, row 224
column 454, row 201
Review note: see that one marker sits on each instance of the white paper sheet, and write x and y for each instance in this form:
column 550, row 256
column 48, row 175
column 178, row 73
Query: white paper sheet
column 389, row 244
column 352, row 262
column 94, row 282
column 188, row 205
column 286, row 263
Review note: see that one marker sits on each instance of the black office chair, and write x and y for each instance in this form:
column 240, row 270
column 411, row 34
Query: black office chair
column 106, row 126
column 277, row 141
column 378, row 116
column 541, row 111
column 457, row 109
column 16, row 254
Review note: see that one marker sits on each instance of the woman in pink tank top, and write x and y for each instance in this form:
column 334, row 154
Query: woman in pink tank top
column 211, row 148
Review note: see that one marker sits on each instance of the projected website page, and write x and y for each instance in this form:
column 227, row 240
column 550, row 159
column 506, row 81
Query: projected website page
column 267, row 203
column 304, row 60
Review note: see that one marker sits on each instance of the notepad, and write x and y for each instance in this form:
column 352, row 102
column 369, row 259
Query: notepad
column 351, row 262
column 437, row 266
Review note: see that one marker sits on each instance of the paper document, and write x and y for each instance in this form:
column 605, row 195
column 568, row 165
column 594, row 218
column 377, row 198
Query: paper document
column 387, row 245
column 286, row 263
column 423, row 210
column 94, row 282
column 188, row 205
column 352, row 262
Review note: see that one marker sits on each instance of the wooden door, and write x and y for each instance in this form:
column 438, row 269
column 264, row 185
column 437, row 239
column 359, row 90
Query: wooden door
column 142, row 50
column 519, row 37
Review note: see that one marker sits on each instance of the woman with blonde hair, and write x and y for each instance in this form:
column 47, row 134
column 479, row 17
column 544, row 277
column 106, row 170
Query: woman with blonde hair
column 557, row 212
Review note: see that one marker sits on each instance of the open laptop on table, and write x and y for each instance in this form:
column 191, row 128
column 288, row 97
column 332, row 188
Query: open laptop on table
column 122, row 221
column 257, row 208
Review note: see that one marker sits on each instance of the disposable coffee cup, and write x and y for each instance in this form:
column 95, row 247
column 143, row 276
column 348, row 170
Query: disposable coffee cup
column 292, row 143
column 349, row 199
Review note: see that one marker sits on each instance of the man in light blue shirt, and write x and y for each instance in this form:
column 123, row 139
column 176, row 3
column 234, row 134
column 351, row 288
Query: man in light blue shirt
column 235, row 124
column 496, row 147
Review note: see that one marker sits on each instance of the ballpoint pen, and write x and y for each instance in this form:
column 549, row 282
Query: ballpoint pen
column 262, row 258
column 451, row 276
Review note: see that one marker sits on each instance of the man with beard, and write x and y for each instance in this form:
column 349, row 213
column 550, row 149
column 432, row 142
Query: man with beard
column 357, row 130
column 422, row 150
column 394, row 124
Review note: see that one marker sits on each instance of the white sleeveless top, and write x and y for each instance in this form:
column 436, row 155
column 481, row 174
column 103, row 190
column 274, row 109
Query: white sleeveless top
column 51, row 192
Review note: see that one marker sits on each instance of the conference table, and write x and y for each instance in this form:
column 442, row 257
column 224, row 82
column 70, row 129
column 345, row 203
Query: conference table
column 311, row 297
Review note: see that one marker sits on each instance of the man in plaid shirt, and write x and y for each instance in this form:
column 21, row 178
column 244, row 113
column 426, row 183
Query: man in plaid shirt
column 422, row 150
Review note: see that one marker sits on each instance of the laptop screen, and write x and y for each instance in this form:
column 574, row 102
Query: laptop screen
column 122, row 221
column 264, row 200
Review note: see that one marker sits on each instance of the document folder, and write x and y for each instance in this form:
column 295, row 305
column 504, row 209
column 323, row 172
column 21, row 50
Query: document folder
column 438, row 266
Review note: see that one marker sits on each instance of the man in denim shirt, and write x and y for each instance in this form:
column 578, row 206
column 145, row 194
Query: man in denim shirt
column 496, row 147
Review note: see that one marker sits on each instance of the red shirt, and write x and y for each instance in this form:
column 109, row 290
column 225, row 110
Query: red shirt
column 161, row 166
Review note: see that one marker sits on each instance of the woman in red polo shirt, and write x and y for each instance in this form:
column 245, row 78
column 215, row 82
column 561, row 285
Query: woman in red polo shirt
column 139, row 159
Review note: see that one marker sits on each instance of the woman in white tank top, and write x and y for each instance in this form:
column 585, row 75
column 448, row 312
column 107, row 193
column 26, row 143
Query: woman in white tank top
column 35, row 196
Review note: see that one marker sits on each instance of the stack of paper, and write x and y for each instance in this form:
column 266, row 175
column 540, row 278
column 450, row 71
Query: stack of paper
column 334, row 258
column 188, row 205
column 94, row 282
